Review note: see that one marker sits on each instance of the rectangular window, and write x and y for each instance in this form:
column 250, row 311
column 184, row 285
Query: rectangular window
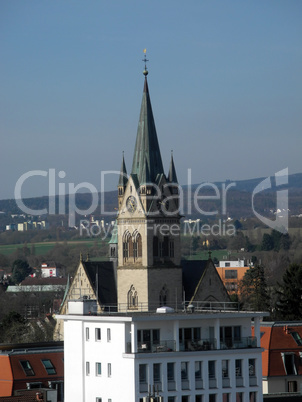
column 238, row 367
column 143, row 373
column 253, row 396
column 49, row 367
column 225, row 368
column 171, row 371
column 198, row 398
column 171, row 398
column 237, row 333
column 211, row 368
column 297, row 338
column 292, row 386
column 198, row 370
column 87, row 334
column 98, row 334
column 156, row 372
column 27, row 367
column 289, row 363
column 229, row 335
column 161, row 249
column 252, row 367
column 147, row 338
column 98, row 399
column 87, row 368
column 231, row 274
column 98, row 369
column 108, row 335
column 226, row 398
column 109, row 369
column 184, row 370
column 212, row 398
column 239, row 397
column 171, row 249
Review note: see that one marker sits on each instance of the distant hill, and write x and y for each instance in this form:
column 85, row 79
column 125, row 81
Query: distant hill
column 238, row 200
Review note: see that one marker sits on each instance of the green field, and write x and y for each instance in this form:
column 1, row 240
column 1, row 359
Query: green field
column 204, row 255
column 44, row 247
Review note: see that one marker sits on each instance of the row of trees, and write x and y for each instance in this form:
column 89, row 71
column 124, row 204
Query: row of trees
column 283, row 301
column 275, row 241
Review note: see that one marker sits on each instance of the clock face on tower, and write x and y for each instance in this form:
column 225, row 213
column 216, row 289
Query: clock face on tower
column 131, row 203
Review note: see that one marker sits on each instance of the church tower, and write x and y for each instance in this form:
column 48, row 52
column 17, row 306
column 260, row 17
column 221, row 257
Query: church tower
column 149, row 274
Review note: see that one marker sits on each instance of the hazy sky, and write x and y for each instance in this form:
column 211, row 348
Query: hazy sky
column 224, row 80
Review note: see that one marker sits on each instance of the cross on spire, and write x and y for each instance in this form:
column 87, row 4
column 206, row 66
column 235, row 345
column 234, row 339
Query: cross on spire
column 145, row 60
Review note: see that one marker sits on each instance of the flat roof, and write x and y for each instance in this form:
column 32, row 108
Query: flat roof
column 148, row 316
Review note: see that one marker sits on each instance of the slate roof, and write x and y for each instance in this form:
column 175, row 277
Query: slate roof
column 43, row 281
column 195, row 274
column 147, row 162
column 192, row 271
column 123, row 174
column 172, row 177
column 102, row 275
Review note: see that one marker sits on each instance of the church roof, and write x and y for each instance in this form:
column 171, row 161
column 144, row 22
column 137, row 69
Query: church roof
column 102, row 279
column 196, row 275
column 192, row 271
column 172, row 172
column 147, row 162
column 123, row 174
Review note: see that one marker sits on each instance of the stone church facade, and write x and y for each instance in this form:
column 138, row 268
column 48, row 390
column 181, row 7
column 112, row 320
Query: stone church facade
column 149, row 272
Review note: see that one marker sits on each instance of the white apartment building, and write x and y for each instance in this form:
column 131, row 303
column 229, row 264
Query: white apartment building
column 181, row 356
column 233, row 264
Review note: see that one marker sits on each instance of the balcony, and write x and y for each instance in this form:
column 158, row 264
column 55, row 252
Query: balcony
column 158, row 347
column 193, row 345
column 242, row 343
column 198, row 344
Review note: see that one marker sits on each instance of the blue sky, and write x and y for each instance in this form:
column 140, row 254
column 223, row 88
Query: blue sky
column 224, row 80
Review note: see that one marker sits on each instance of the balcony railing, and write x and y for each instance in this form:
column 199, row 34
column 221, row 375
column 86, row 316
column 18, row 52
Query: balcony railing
column 198, row 344
column 242, row 343
column 156, row 347
column 193, row 345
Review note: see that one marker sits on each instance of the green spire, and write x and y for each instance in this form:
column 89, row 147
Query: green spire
column 147, row 158
column 123, row 174
column 172, row 178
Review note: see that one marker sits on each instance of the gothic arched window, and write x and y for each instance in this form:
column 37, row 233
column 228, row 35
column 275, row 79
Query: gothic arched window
column 137, row 245
column 126, row 245
column 155, row 246
column 132, row 298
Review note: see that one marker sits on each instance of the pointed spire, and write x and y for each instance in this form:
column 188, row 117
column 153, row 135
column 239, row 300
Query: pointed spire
column 123, row 174
column 145, row 176
column 172, row 178
column 146, row 152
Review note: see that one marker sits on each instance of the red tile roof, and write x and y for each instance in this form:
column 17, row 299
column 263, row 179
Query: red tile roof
column 13, row 375
column 276, row 338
